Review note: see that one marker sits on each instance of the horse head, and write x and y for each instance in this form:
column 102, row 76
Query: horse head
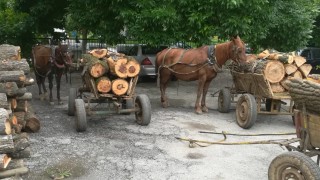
column 238, row 50
column 62, row 56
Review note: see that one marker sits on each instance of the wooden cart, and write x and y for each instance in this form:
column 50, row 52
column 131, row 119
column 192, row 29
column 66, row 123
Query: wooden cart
column 87, row 100
column 298, row 164
column 255, row 91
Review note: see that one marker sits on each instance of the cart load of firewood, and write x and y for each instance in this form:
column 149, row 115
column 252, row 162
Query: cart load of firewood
column 305, row 92
column 276, row 66
column 111, row 71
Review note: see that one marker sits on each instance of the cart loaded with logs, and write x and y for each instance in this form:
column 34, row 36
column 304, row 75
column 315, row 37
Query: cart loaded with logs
column 261, row 85
column 299, row 164
column 109, row 81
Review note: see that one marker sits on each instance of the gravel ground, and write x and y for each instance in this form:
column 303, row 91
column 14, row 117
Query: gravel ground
column 115, row 147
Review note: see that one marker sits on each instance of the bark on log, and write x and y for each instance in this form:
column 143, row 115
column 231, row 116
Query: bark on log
column 290, row 68
column 4, row 161
column 26, row 96
column 12, row 76
column 10, row 52
column 119, row 86
column 118, row 67
column 22, row 65
column 103, row 84
column 20, row 116
column 133, row 67
column 32, row 122
column 22, row 106
column 10, row 88
column 96, row 67
column 99, row 53
column 6, row 144
column 14, row 172
column 4, row 101
column 20, row 144
column 5, row 127
column 297, row 74
column 26, row 153
column 299, row 60
column 305, row 69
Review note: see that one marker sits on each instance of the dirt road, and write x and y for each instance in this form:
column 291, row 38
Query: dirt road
column 115, row 147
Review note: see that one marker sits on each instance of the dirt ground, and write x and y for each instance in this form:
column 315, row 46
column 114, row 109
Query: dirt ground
column 115, row 147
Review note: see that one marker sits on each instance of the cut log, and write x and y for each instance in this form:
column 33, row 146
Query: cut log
column 273, row 70
column 290, row 68
column 15, row 163
column 103, row 84
column 20, row 144
column 133, row 67
column 22, row 106
column 119, row 86
column 5, row 127
column 20, row 118
column 4, row 101
column 305, row 69
column 264, row 54
column 99, row 53
column 13, row 103
column 96, row 67
column 10, row 88
column 4, row 161
column 14, row 172
column 7, row 65
column 6, row 144
column 118, row 67
column 26, row 153
column 10, row 52
column 32, row 122
column 297, row 74
column 26, row 96
column 12, row 76
column 251, row 57
column 299, row 60
column 277, row 87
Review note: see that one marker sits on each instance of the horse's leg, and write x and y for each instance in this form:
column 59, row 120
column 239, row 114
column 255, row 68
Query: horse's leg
column 204, row 95
column 43, row 80
column 164, row 79
column 39, row 83
column 50, row 78
column 58, row 81
column 201, row 80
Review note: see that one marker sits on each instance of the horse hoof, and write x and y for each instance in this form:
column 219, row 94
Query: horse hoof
column 198, row 112
column 164, row 104
column 51, row 103
column 205, row 109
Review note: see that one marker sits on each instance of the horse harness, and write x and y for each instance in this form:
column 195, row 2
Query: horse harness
column 211, row 61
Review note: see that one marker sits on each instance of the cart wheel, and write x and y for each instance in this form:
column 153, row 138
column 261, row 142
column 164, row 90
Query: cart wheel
column 293, row 165
column 224, row 100
column 143, row 116
column 127, row 104
column 246, row 111
column 268, row 105
column 72, row 98
column 81, row 118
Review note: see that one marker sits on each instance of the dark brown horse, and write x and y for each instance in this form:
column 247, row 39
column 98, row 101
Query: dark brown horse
column 48, row 62
column 200, row 64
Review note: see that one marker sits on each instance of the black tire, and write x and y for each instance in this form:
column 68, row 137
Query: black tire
column 293, row 165
column 246, row 111
column 224, row 100
column 143, row 117
column 71, row 99
column 81, row 118
column 268, row 105
column 127, row 104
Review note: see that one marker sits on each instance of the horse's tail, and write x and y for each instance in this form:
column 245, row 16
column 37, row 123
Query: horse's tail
column 158, row 63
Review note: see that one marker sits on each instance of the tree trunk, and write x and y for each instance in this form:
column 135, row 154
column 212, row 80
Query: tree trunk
column 10, row 52
column 119, row 86
column 103, row 84
column 6, row 144
column 99, row 53
column 15, row 66
column 5, row 127
column 118, row 67
column 12, row 76
column 133, row 67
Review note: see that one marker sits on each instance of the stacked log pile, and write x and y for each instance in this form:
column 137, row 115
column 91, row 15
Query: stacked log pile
column 277, row 67
column 16, row 114
column 112, row 72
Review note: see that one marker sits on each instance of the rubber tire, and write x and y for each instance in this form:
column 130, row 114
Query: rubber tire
column 224, row 100
column 246, row 111
column 295, row 161
column 81, row 118
column 71, row 103
column 143, row 117
column 268, row 105
column 127, row 104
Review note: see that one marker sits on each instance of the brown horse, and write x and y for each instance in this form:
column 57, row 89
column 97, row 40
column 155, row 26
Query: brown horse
column 49, row 61
column 200, row 64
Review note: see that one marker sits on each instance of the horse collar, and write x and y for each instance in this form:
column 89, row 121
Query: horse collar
column 212, row 58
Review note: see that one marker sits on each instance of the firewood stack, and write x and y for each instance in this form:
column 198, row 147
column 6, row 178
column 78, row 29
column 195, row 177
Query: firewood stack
column 16, row 115
column 112, row 71
column 277, row 67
